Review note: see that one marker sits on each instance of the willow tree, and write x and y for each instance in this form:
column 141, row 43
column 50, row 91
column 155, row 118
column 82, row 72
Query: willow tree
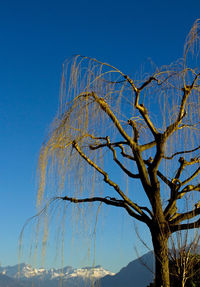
column 147, row 126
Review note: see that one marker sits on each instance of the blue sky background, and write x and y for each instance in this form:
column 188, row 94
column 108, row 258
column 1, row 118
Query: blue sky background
column 36, row 37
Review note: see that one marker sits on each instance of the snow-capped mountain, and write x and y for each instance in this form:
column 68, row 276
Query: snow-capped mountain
column 69, row 275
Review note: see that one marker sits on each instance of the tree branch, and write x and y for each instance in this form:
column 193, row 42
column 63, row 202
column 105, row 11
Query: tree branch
column 181, row 152
column 135, row 130
column 188, row 126
column 116, row 144
column 175, row 195
column 147, row 83
column 191, row 177
column 108, row 181
column 125, row 154
column 141, row 108
column 104, row 106
column 106, row 200
column 187, row 189
column 180, row 169
column 131, row 83
column 130, row 174
column 185, row 226
column 182, row 112
column 164, row 178
column 186, row 215
column 147, row 162
column 144, row 113
column 195, row 79
column 109, row 201
column 110, row 146
column 171, row 128
column 147, row 145
column 183, row 164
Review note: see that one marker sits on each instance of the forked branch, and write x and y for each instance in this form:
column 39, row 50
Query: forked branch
column 128, row 172
column 148, row 163
column 111, row 147
column 104, row 106
column 181, row 114
column 140, row 107
column 144, row 113
column 108, row 181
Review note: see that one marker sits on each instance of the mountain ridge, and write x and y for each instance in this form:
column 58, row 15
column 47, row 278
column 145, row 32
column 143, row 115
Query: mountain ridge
column 138, row 273
column 71, row 277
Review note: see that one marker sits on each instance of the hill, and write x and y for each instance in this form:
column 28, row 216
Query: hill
column 138, row 273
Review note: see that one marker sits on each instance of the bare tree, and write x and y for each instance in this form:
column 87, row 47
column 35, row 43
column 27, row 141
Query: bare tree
column 148, row 127
column 184, row 257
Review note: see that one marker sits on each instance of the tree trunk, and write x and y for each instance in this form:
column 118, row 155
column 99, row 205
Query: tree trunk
column 160, row 240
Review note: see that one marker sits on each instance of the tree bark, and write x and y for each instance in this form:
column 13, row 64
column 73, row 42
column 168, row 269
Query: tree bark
column 160, row 239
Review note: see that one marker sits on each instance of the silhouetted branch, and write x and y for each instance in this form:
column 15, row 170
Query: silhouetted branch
column 124, row 154
column 104, row 106
column 191, row 177
column 188, row 126
column 187, row 189
column 147, row 145
column 147, row 83
column 187, row 215
column 135, row 130
column 109, row 201
column 101, row 145
column 130, row 174
column 107, row 180
column 182, row 113
column 181, row 152
column 180, row 169
column 185, row 226
column 144, row 113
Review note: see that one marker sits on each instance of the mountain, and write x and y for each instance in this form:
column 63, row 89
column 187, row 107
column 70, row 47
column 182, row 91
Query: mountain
column 70, row 277
column 138, row 273
column 6, row 281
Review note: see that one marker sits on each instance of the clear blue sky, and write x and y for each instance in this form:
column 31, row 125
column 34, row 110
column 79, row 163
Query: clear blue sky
column 36, row 37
